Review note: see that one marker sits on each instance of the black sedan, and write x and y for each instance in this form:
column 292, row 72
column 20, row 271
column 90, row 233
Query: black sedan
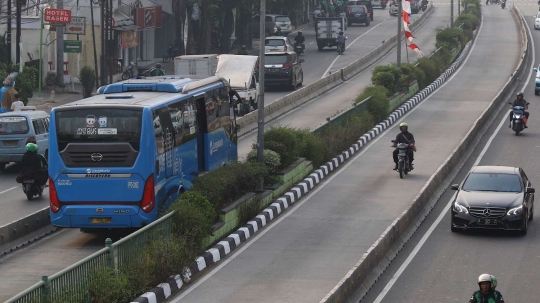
column 283, row 68
column 357, row 14
column 493, row 197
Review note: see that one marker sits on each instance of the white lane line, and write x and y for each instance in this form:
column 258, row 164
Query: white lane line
column 337, row 57
column 296, row 206
column 417, row 248
column 5, row 191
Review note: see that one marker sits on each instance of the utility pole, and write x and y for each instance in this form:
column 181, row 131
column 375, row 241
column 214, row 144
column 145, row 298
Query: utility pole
column 94, row 42
column 60, row 49
column 103, row 39
column 452, row 13
column 260, row 132
column 110, row 41
column 8, row 38
column 400, row 19
column 18, row 35
column 459, row 8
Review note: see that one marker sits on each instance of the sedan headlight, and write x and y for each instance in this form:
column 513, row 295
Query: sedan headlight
column 515, row 211
column 460, row 208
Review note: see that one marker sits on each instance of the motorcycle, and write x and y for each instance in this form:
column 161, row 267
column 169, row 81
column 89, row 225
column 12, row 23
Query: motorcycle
column 403, row 159
column 503, row 4
column 341, row 47
column 299, row 48
column 424, row 7
column 518, row 118
column 31, row 188
column 129, row 73
column 171, row 52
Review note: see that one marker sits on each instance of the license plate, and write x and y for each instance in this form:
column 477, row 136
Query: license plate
column 11, row 143
column 101, row 220
column 401, row 155
column 487, row 221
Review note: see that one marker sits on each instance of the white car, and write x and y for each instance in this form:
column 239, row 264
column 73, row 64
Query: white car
column 393, row 10
column 537, row 21
column 277, row 44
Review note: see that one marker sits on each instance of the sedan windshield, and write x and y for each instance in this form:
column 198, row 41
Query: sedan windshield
column 276, row 59
column 493, row 182
column 274, row 42
column 357, row 10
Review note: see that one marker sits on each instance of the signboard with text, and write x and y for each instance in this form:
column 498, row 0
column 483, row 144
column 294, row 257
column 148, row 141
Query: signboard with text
column 77, row 26
column 55, row 16
column 72, row 46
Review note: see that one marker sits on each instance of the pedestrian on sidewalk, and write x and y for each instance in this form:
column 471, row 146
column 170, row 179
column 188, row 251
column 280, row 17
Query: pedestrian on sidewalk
column 16, row 106
column 8, row 92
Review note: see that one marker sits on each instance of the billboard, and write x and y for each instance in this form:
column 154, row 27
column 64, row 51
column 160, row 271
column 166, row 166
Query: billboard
column 148, row 17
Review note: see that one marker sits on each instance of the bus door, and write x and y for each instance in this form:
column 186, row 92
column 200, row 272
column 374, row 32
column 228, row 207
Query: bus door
column 167, row 139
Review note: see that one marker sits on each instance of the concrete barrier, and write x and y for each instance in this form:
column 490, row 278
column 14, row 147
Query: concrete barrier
column 365, row 273
column 24, row 226
column 309, row 92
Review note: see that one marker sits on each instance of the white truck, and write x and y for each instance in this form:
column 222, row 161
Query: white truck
column 327, row 30
column 242, row 74
column 196, row 66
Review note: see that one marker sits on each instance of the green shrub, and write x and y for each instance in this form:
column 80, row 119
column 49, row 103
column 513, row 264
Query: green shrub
column 411, row 73
column 430, row 68
column 283, row 141
column 25, row 83
column 312, row 147
column 449, row 38
column 88, row 81
column 110, row 286
column 387, row 76
column 378, row 104
column 228, row 183
column 248, row 210
column 193, row 221
column 272, row 159
column 164, row 258
column 470, row 20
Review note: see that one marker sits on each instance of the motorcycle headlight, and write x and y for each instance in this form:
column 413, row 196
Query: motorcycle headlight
column 460, row 208
column 515, row 211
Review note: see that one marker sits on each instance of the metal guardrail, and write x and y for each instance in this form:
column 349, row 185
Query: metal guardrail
column 73, row 283
column 343, row 116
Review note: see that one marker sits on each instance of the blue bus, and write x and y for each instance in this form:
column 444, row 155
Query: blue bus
column 118, row 159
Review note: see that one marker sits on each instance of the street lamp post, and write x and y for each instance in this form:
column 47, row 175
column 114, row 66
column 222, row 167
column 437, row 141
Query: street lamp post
column 260, row 111
column 398, row 48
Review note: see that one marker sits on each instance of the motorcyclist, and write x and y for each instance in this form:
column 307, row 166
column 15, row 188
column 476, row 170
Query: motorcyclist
column 404, row 137
column 299, row 39
column 340, row 40
column 519, row 101
column 279, row 32
column 34, row 165
column 425, row 2
column 243, row 50
column 487, row 292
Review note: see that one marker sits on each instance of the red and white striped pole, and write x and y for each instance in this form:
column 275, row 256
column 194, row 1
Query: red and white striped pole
column 406, row 11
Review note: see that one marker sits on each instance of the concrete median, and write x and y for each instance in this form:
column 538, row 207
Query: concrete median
column 365, row 273
column 309, row 92
column 23, row 227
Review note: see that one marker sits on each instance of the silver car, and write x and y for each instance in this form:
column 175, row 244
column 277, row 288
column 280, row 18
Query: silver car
column 277, row 44
column 272, row 22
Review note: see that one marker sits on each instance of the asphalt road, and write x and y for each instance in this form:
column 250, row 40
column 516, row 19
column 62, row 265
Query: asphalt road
column 309, row 249
column 438, row 265
column 315, row 112
column 52, row 254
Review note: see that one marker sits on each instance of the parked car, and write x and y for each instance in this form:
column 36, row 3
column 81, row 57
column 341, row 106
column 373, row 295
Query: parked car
column 368, row 3
column 537, row 21
column 283, row 68
column 357, row 14
column 493, row 197
column 537, row 81
column 277, row 44
column 272, row 22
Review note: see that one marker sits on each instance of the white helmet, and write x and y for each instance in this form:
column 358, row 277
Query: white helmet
column 485, row 278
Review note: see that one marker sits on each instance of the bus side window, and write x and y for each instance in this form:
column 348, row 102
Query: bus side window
column 157, row 132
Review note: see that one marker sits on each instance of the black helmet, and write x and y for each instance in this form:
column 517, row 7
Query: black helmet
column 341, row 33
column 299, row 32
column 158, row 65
column 520, row 94
column 244, row 47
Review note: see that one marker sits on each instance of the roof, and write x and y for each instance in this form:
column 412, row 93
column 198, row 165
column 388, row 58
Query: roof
column 495, row 170
column 276, row 37
column 29, row 114
column 279, row 53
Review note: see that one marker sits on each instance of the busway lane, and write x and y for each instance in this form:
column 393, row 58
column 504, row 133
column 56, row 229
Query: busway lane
column 307, row 251
column 446, row 264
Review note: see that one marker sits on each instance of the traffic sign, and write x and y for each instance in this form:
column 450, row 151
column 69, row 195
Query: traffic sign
column 55, row 16
column 72, row 46
column 77, row 26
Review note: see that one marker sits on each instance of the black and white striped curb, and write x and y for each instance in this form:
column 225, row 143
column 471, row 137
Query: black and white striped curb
column 231, row 242
column 162, row 291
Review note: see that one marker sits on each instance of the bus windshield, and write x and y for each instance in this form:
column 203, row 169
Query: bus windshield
column 96, row 125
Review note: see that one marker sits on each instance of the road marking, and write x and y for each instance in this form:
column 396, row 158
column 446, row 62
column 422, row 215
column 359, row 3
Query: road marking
column 417, row 248
column 5, row 191
column 337, row 57
column 296, row 206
